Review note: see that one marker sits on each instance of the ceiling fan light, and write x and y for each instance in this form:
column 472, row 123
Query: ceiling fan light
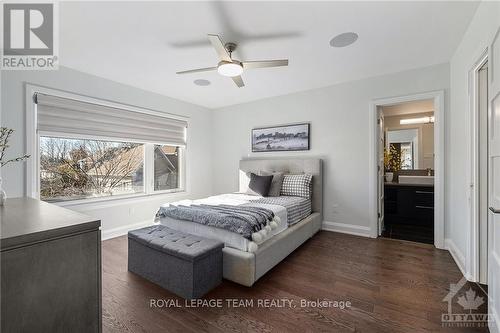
column 229, row 69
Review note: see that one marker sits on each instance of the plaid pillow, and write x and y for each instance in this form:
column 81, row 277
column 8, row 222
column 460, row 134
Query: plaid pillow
column 297, row 186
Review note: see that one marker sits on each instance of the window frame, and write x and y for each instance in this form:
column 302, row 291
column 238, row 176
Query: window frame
column 33, row 148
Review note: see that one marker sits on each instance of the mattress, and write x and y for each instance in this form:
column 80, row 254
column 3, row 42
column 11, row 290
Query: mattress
column 288, row 209
column 297, row 208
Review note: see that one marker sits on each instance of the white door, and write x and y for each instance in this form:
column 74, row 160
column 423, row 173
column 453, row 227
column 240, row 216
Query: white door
column 380, row 167
column 494, row 179
column 483, row 212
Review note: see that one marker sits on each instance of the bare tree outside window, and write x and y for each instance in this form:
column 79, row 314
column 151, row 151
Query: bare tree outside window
column 77, row 168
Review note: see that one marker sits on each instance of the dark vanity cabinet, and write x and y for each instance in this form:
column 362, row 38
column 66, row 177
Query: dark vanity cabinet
column 409, row 208
column 50, row 269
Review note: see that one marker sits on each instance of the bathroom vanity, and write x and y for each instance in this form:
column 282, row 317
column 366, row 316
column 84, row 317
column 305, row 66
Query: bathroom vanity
column 409, row 211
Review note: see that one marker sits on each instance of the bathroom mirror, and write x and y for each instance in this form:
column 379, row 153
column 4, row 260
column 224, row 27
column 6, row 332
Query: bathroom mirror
column 405, row 142
column 415, row 145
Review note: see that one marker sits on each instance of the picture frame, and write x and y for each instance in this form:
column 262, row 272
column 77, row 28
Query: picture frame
column 292, row 137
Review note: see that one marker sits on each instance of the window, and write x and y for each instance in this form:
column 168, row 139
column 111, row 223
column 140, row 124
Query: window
column 406, row 155
column 403, row 152
column 77, row 169
column 166, row 166
column 87, row 150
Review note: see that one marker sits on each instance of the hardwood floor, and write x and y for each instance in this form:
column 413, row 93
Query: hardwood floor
column 394, row 286
column 410, row 232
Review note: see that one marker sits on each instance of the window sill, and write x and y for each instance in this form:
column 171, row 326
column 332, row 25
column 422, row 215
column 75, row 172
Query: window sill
column 104, row 202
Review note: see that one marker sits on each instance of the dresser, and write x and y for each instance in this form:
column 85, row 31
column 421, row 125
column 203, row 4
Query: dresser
column 50, row 268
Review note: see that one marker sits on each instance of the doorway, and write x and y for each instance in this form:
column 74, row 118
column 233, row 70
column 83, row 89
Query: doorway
column 408, row 166
column 413, row 153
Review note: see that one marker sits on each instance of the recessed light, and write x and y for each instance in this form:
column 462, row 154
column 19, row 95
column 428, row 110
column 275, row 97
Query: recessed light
column 344, row 39
column 201, row 82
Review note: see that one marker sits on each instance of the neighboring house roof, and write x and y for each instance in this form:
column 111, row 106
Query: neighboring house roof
column 169, row 150
column 169, row 154
column 130, row 160
column 127, row 161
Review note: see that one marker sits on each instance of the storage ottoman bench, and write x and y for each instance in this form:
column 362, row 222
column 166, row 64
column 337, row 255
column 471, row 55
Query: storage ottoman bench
column 187, row 265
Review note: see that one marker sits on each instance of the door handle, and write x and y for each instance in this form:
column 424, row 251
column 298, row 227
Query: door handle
column 494, row 210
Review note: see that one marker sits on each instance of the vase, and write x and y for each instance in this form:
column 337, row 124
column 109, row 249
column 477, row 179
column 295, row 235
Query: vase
column 389, row 176
column 3, row 195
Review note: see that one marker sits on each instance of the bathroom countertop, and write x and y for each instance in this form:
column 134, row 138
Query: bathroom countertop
column 408, row 185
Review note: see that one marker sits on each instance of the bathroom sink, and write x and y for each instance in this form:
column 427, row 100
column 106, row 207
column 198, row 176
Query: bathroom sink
column 427, row 180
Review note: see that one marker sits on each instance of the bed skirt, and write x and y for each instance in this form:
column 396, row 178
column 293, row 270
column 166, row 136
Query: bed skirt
column 246, row 268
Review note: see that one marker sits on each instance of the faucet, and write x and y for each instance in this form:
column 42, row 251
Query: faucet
column 429, row 172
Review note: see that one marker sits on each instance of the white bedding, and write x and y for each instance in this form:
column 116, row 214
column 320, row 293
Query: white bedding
column 230, row 239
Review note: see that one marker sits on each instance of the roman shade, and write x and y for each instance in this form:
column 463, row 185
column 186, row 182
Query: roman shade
column 72, row 117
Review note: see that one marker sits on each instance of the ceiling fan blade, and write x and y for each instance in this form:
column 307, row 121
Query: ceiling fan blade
column 264, row 63
column 219, row 47
column 238, row 80
column 207, row 69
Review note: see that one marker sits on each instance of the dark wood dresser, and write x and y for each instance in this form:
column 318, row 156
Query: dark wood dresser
column 50, row 268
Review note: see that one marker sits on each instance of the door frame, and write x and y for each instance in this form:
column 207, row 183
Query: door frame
column 439, row 108
column 472, row 262
column 380, row 169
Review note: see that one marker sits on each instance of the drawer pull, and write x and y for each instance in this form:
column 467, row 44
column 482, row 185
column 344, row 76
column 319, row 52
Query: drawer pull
column 427, row 207
column 424, row 192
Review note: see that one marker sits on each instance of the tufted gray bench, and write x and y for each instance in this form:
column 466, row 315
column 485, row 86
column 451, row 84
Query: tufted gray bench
column 184, row 264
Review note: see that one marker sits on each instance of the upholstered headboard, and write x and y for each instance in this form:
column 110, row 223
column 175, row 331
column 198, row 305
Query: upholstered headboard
column 313, row 166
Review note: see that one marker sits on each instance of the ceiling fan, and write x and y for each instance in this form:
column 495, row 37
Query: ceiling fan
column 230, row 67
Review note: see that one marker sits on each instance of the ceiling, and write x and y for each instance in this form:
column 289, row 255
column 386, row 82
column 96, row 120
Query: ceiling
column 423, row 106
column 144, row 44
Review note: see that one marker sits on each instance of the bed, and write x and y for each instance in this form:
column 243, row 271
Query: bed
column 245, row 261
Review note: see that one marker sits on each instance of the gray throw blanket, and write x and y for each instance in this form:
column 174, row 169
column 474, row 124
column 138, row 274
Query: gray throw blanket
column 243, row 219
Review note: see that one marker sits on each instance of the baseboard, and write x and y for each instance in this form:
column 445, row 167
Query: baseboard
column 494, row 324
column 494, row 321
column 344, row 228
column 120, row 231
column 457, row 255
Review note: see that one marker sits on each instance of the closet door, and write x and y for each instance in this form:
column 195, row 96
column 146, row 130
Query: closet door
column 494, row 180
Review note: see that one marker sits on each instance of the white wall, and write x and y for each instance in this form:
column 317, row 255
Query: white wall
column 475, row 41
column 339, row 134
column 115, row 214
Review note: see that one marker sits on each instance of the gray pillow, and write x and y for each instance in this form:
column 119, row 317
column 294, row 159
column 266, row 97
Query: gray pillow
column 275, row 189
column 259, row 185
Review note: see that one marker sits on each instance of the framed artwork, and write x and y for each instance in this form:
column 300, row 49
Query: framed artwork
column 281, row 138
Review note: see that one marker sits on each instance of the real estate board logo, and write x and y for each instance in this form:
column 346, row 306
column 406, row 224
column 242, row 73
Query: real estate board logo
column 29, row 36
column 472, row 310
